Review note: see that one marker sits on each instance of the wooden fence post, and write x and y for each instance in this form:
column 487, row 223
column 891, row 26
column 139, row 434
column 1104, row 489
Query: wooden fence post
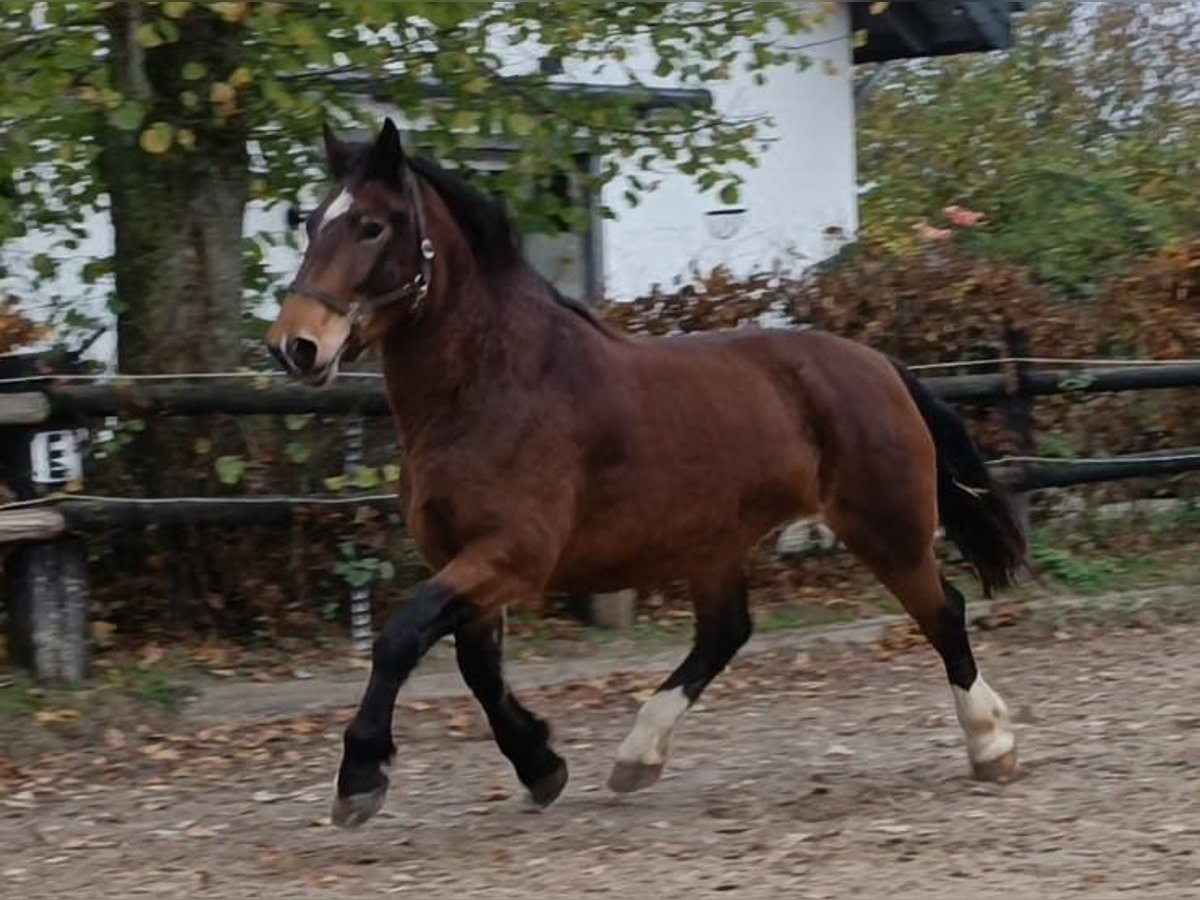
column 616, row 610
column 1018, row 413
column 45, row 581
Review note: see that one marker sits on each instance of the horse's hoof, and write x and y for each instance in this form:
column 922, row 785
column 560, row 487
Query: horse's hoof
column 546, row 789
column 1002, row 769
column 628, row 777
column 354, row 810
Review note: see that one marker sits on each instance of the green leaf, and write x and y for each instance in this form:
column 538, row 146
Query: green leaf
column 476, row 85
column 176, row 9
column 229, row 469
column 521, row 124
column 464, row 120
column 335, row 483
column 95, row 269
column 127, row 116
column 391, row 473
column 148, row 36
column 729, row 194
column 301, row 34
column 366, row 478
column 193, row 70
column 45, row 265
column 296, row 422
column 298, row 452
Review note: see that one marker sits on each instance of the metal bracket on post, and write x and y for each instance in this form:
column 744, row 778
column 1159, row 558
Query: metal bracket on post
column 45, row 581
column 361, row 633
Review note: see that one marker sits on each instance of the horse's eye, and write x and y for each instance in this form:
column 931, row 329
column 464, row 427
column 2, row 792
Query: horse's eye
column 371, row 230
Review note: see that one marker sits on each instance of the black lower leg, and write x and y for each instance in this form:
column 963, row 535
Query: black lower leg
column 522, row 737
column 433, row 613
column 721, row 630
column 948, row 634
column 722, row 627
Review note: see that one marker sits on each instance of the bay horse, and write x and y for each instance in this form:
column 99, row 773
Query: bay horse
column 547, row 451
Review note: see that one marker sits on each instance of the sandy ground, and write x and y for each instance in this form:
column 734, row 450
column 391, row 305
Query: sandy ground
column 803, row 774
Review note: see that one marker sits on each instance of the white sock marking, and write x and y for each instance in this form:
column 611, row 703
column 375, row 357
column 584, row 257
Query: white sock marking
column 647, row 742
column 984, row 719
column 339, row 206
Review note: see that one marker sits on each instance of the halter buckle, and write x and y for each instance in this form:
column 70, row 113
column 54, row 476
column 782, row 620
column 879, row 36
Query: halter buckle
column 427, row 251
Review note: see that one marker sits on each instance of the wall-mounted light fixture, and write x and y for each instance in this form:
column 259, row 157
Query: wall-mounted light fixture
column 724, row 223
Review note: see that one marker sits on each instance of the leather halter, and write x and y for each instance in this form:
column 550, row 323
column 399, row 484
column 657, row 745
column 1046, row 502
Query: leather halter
column 417, row 287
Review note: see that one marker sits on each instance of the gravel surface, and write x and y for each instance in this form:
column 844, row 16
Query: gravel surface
column 837, row 773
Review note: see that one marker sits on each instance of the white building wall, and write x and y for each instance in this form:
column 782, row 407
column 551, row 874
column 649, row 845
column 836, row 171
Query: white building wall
column 803, row 186
column 804, row 183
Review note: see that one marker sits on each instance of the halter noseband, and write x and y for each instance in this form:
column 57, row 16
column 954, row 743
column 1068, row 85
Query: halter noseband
column 417, row 286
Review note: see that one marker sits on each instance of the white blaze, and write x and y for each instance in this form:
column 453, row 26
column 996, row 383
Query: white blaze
column 339, row 206
column 647, row 742
column 984, row 719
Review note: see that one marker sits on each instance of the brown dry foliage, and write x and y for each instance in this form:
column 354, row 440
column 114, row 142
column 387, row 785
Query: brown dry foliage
column 16, row 331
column 944, row 304
column 269, row 586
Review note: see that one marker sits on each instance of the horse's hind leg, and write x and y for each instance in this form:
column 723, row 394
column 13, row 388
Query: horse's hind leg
column 521, row 736
column 940, row 612
column 723, row 625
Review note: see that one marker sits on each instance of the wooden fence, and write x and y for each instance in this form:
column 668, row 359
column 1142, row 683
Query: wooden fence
column 46, row 574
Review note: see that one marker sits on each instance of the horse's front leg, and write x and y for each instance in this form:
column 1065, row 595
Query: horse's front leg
column 469, row 586
column 521, row 736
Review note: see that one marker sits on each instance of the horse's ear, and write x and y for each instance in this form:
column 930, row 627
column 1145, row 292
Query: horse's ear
column 337, row 152
column 386, row 162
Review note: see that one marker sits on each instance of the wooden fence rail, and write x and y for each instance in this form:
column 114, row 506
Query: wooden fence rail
column 66, row 515
column 52, row 403
column 46, row 572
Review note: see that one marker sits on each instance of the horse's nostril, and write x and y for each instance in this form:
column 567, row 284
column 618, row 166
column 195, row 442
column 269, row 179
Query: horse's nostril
column 303, row 353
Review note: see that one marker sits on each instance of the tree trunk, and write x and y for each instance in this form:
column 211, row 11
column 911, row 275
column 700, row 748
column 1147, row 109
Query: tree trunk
column 177, row 216
column 177, row 219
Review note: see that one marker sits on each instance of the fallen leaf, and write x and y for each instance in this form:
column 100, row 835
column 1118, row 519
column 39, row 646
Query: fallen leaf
column 103, row 634
column 55, row 716
column 151, row 654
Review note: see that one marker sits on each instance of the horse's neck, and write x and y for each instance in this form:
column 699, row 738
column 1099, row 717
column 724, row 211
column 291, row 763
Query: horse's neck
column 465, row 349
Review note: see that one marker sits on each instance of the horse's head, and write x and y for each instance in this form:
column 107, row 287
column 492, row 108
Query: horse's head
column 369, row 259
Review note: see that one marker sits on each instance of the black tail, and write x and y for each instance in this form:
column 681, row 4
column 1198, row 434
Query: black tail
column 974, row 509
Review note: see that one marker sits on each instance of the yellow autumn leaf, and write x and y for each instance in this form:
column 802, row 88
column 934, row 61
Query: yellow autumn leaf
column 221, row 92
column 157, row 138
column 231, row 12
column 240, row 77
column 176, row 9
column 186, row 138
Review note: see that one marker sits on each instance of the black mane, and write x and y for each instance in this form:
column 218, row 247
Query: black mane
column 483, row 219
column 489, row 229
